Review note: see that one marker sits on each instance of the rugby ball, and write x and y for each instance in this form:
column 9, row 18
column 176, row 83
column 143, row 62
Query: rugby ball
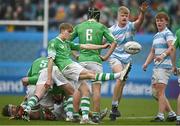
column 132, row 47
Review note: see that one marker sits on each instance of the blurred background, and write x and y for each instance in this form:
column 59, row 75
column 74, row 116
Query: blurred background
column 74, row 11
column 27, row 25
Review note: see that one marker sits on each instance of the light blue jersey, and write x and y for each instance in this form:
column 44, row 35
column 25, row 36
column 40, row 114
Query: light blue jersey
column 160, row 45
column 122, row 36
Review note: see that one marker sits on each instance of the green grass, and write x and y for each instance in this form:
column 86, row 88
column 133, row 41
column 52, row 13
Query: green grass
column 131, row 109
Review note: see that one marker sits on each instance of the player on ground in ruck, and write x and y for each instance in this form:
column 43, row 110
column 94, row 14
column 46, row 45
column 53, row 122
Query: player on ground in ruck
column 38, row 93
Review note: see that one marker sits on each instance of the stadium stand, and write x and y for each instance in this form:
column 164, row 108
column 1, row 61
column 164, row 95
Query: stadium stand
column 74, row 11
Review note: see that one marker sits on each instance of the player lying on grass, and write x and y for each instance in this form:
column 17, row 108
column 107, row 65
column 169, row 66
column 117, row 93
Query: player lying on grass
column 40, row 113
column 43, row 113
column 59, row 52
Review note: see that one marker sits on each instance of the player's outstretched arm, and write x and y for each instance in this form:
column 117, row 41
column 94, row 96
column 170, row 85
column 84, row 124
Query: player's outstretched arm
column 109, row 52
column 140, row 19
column 93, row 46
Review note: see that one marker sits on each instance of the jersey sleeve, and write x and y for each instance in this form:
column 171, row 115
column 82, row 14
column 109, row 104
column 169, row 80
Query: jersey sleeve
column 132, row 26
column 51, row 50
column 29, row 73
column 74, row 34
column 177, row 41
column 108, row 35
column 74, row 46
column 33, row 79
column 169, row 36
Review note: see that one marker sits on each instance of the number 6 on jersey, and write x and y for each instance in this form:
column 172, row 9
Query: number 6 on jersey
column 89, row 34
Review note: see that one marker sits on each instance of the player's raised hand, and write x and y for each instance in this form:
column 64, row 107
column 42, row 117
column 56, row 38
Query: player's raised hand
column 174, row 70
column 48, row 84
column 144, row 6
column 103, row 58
column 25, row 81
column 159, row 58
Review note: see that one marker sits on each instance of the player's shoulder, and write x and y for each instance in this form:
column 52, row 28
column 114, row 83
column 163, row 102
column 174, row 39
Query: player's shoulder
column 130, row 24
column 82, row 23
column 166, row 30
column 178, row 32
column 54, row 40
column 40, row 59
column 113, row 27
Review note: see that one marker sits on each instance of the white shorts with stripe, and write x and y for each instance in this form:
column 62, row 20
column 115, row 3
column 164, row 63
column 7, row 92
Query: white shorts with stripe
column 57, row 77
column 113, row 62
column 160, row 76
column 72, row 72
column 96, row 67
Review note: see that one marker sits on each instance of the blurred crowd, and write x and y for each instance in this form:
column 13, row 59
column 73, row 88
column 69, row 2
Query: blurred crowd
column 74, row 11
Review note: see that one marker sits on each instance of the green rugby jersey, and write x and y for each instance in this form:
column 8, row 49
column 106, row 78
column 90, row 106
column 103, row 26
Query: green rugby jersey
column 37, row 65
column 177, row 44
column 91, row 32
column 60, row 51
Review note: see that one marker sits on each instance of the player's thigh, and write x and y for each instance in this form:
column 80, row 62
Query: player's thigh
column 93, row 66
column 160, row 76
column 42, row 77
column 30, row 91
column 58, row 77
column 73, row 71
column 116, row 65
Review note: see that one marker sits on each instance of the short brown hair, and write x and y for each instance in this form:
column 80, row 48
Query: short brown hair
column 64, row 26
column 123, row 9
column 162, row 15
column 5, row 111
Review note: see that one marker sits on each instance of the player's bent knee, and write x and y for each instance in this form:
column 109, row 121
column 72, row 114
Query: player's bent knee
column 68, row 89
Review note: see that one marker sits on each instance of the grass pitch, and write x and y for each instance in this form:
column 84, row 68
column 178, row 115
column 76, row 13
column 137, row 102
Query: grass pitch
column 135, row 111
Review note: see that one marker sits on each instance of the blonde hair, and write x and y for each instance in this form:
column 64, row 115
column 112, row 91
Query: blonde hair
column 123, row 9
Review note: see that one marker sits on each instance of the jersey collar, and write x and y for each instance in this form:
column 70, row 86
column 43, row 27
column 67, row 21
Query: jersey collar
column 60, row 39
